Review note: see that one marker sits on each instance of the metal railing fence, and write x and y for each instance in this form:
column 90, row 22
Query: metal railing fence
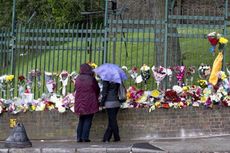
column 168, row 40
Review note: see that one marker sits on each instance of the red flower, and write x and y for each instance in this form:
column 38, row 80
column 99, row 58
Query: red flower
column 172, row 96
column 165, row 105
column 134, row 69
column 21, row 78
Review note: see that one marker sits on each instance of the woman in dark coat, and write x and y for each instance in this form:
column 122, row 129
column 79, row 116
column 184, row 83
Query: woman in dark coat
column 86, row 101
column 112, row 105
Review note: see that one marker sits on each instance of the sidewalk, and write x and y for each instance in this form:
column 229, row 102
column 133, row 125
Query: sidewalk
column 218, row 144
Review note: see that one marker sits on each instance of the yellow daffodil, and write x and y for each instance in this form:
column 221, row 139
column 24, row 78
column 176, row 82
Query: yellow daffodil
column 223, row 40
column 9, row 78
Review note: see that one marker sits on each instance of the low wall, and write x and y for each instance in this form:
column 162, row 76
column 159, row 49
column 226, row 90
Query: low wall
column 133, row 123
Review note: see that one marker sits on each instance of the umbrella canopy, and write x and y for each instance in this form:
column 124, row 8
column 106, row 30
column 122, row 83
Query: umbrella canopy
column 110, row 72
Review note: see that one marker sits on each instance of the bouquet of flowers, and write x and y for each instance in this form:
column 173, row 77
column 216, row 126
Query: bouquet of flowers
column 145, row 73
column 133, row 73
column 33, row 74
column 213, row 38
column 50, row 83
column 224, row 80
column 3, row 85
column 73, row 76
column 133, row 94
column 2, row 106
column 159, row 74
column 9, row 81
column 204, row 71
column 189, row 74
column 180, row 72
column 64, row 76
column 38, row 75
column 21, row 85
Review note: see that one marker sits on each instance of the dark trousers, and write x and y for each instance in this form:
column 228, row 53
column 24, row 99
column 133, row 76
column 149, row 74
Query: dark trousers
column 112, row 128
column 84, row 125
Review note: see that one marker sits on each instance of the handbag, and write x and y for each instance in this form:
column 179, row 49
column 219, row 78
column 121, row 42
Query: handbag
column 122, row 93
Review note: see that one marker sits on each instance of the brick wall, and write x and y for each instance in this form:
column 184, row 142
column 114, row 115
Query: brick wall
column 133, row 123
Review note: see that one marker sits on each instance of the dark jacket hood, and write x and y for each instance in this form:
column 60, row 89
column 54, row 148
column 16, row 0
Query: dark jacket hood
column 86, row 69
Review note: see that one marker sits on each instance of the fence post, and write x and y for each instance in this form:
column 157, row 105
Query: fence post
column 105, row 32
column 13, row 36
column 225, row 31
column 166, row 39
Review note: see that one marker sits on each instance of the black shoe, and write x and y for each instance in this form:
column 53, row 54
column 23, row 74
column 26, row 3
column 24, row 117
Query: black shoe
column 116, row 140
column 79, row 140
column 86, row 140
column 105, row 141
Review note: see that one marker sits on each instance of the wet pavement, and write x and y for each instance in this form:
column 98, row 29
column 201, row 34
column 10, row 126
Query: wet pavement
column 214, row 144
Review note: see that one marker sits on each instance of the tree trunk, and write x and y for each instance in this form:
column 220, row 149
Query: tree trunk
column 155, row 10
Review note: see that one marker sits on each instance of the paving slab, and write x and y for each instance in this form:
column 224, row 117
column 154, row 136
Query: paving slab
column 217, row 144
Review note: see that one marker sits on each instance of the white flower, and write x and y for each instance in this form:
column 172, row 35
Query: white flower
column 169, row 72
column 177, row 88
column 61, row 109
column 195, row 104
column 215, row 98
column 64, row 76
column 124, row 68
column 1, row 109
column 2, row 78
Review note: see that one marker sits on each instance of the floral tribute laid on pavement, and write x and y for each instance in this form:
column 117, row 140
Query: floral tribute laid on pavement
column 212, row 87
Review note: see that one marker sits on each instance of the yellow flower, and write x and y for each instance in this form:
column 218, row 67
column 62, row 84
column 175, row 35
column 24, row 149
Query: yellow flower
column 157, row 104
column 223, row 75
column 203, row 99
column 9, row 78
column 202, row 83
column 93, row 65
column 185, row 88
column 33, row 107
column 223, row 40
column 155, row 93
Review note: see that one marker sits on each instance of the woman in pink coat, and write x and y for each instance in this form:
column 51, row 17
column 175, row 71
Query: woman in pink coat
column 86, row 101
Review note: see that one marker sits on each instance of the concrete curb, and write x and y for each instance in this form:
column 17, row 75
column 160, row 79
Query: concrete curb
column 77, row 150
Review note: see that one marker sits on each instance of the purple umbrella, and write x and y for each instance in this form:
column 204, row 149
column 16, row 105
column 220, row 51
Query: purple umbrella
column 110, row 72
